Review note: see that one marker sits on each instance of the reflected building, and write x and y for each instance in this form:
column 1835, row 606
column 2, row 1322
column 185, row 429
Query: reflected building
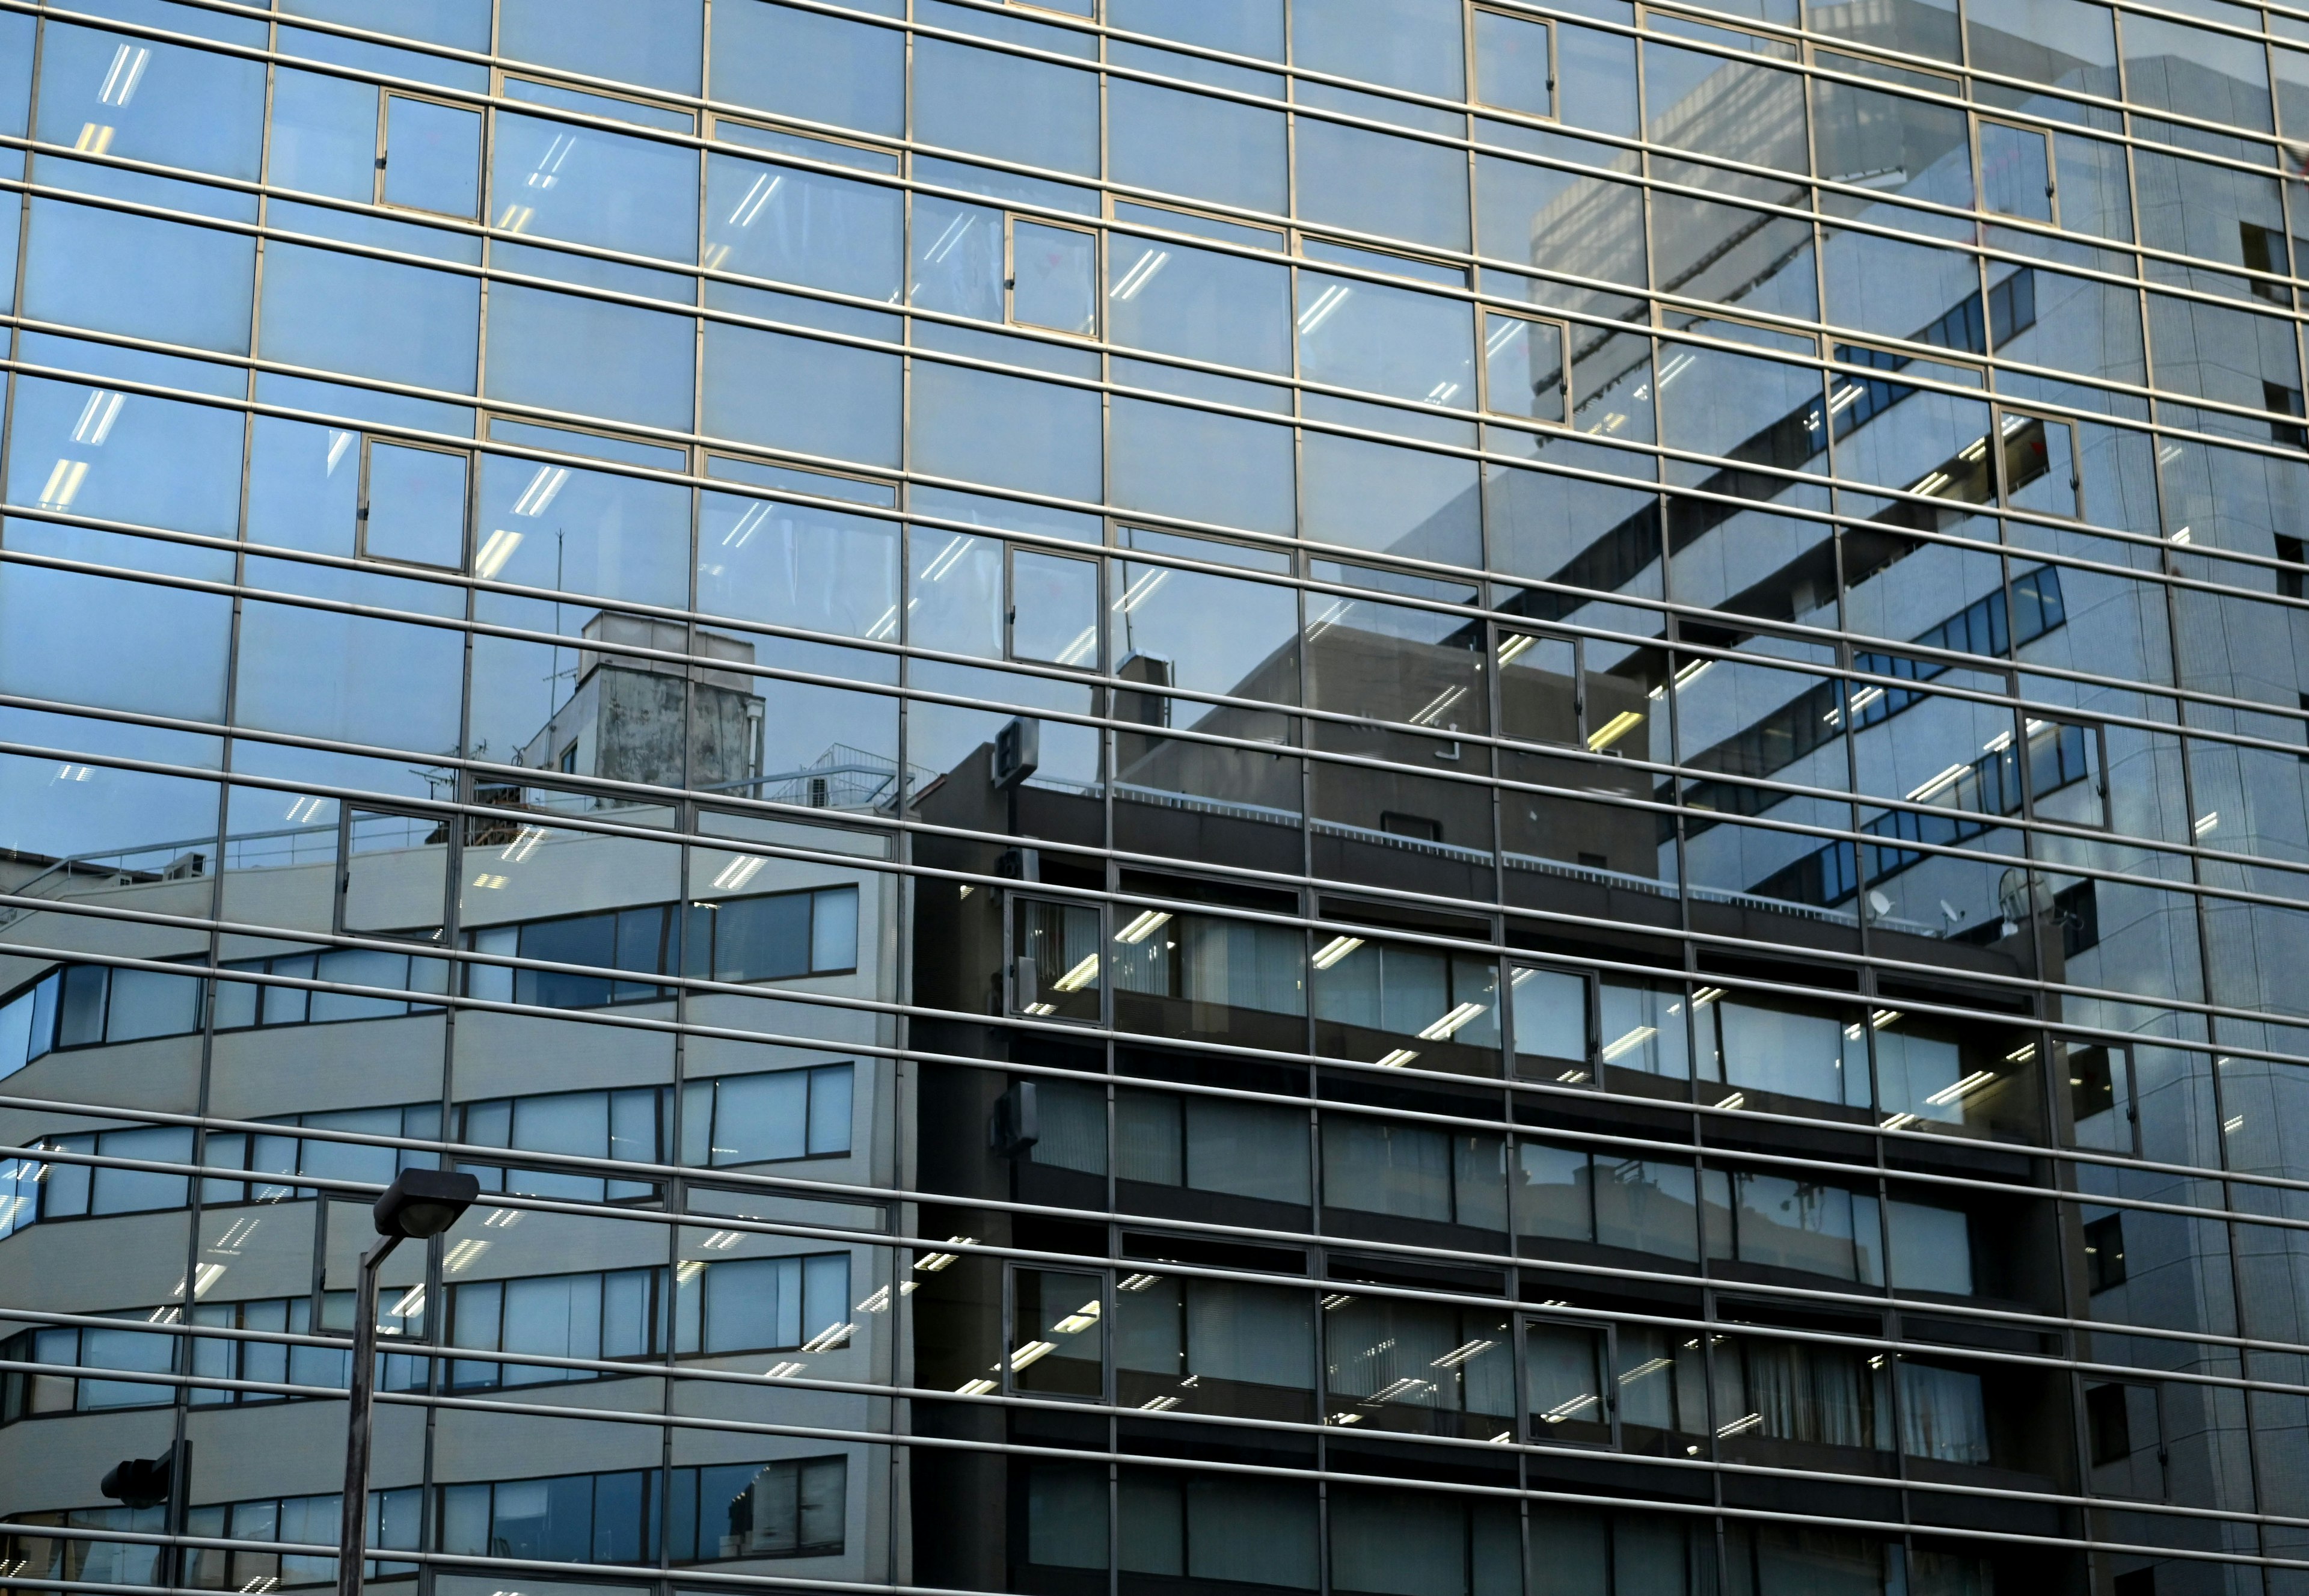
column 1394, row 797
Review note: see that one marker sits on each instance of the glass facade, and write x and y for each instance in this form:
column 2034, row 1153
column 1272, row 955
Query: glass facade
column 1179, row 797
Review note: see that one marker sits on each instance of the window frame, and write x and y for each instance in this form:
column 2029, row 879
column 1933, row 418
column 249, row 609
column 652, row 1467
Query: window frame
column 1012, row 901
column 2002, row 418
column 1982, row 120
column 1012, row 1345
column 361, row 507
column 1487, row 311
column 2085, row 1385
column 1097, row 236
column 2126, row 1100
column 1091, row 664
column 1589, row 1064
column 1554, row 115
column 385, row 97
column 1607, row 1379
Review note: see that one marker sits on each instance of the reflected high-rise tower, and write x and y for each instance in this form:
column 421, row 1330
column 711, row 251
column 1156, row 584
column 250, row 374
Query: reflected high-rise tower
column 1177, row 797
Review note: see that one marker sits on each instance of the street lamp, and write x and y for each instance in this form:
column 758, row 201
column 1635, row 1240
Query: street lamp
column 419, row 1204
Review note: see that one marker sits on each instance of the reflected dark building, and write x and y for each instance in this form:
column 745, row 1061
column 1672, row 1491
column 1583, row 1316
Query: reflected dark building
column 1383, row 797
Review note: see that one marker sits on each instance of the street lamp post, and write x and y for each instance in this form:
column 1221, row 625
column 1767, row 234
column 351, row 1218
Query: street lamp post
column 419, row 1204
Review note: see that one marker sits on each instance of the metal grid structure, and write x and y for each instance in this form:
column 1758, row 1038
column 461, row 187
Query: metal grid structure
column 1178, row 796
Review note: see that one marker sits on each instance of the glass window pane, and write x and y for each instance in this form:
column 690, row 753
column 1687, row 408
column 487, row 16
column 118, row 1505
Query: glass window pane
column 1057, row 959
column 811, row 228
column 833, row 930
column 2016, row 175
column 757, row 1118
column 1195, row 146
column 1007, row 431
column 1054, row 608
column 805, row 63
column 1033, row 112
column 146, row 101
column 415, row 326
column 591, row 357
column 1385, row 339
column 1377, row 183
column 656, row 43
column 1551, row 1015
column 148, row 1003
column 1512, row 68
column 1523, row 368
column 1406, row 44
column 1563, row 1373
column 830, row 1092
column 432, row 156
column 1179, row 300
column 1052, row 271
column 325, row 135
column 114, row 1191
column 416, row 506
column 806, row 394
column 795, row 565
column 1057, row 1345
column 761, row 939
column 117, row 272
column 555, row 179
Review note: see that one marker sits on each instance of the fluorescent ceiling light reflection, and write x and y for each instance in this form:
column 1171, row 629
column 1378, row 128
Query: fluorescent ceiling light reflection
column 1460, row 1016
column 1613, row 730
column 338, row 442
column 742, row 531
column 128, row 70
column 62, row 485
column 953, row 234
column 1937, row 783
column 541, row 490
column 1148, row 922
column 1438, row 705
column 548, row 165
column 1031, row 1353
column 1142, row 588
column 1320, row 311
column 758, row 195
column 1962, row 1089
column 1142, row 272
column 948, row 557
column 1632, row 1039
column 1084, row 972
column 1333, row 950
column 495, row 553
column 738, row 871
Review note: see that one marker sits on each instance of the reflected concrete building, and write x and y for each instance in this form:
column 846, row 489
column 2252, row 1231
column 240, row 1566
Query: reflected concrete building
column 1357, row 797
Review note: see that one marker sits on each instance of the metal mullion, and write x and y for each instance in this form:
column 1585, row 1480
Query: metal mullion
column 696, row 104
column 2211, row 733
column 1764, row 986
column 562, row 418
column 2073, row 1156
column 807, row 1231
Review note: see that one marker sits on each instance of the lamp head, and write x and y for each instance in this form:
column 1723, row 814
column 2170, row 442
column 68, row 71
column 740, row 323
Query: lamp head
column 424, row 1203
column 139, row 1482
